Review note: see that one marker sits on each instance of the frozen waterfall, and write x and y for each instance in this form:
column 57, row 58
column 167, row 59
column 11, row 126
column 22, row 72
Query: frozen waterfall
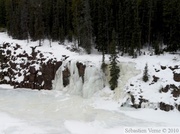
column 127, row 71
column 94, row 79
column 91, row 82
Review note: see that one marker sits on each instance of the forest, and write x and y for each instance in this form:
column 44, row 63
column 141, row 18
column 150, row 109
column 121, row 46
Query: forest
column 129, row 24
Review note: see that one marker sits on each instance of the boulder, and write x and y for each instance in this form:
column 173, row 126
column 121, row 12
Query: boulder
column 163, row 67
column 155, row 79
column 176, row 77
column 165, row 107
column 165, row 89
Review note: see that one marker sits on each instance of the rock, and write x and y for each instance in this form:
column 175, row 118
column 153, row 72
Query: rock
column 163, row 67
column 66, row 74
column 32, row 70
column 32, row 78
column 57, row 65
column 39, row 79
column 155, row 79
column 133, row 102
column 22, row 55
column 166, row 89
column 173, row 68
column 131, row 85
column 13, row 65
column 47, row 85
column 8, row 52
column 81, row 70
column 175, row 90
column 157, row 70
column 165, row 107
column 176, row 77
column 178, row 107
column 176, row 93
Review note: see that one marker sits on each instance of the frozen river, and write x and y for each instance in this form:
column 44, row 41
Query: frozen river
column 52, row 112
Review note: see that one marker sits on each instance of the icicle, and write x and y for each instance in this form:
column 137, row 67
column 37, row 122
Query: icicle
column 76, row 83
column 58, row 81
column 93, row 81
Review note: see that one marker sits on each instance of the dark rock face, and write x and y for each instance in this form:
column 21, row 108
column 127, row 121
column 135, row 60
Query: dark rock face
column 178, row 107
column 176, row 77
column 34, row 71
column 165, row 107
column 66, row 74
column 81, row 69
column 175, row 91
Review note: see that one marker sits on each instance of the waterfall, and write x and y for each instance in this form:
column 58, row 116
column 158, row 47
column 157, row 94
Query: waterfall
column 86, row 86
column 127, row 71
column 94, row 79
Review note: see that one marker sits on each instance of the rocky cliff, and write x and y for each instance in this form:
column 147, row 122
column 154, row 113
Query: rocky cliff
column 26, row 70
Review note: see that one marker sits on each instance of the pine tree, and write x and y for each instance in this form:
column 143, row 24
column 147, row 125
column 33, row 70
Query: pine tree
column 114, row 69
column 39, row 23
column 145, row 74
column 86, row 28
column 2, row 14
column 76, row 13
column 24, row 19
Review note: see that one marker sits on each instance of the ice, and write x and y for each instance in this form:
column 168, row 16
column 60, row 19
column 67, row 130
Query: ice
column 93, row 80
column 127, row 71
column 36, row 112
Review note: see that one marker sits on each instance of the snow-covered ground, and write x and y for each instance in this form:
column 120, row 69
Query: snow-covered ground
column 58, row 112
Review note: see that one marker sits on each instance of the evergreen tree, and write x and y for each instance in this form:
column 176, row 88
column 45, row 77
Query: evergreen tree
column 114, row 69
column 136, row 22
column 86, row 28
column 24, row 19
column 39, row 23
column 2, row 14
column 145, row 74
column 77, row 6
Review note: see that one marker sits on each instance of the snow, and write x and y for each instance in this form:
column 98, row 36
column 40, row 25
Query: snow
column 55, row 112
column 47, row 112
column 88, row 107
column 10, row 125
